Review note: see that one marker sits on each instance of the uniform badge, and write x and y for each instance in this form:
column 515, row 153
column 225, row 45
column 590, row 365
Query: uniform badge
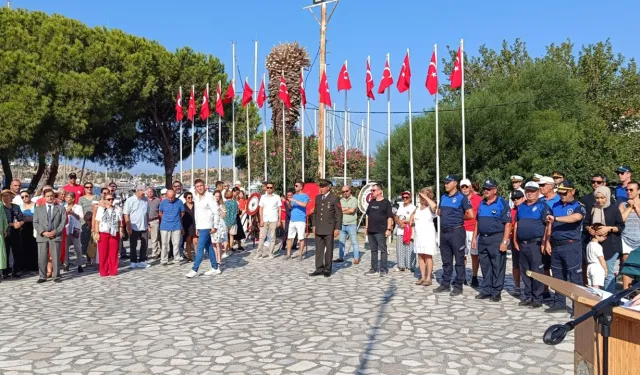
column 570, row 211
column 454, row 200
column 535, row 208
column 494, row 212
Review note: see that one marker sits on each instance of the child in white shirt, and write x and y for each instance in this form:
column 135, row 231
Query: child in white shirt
column 597, row 268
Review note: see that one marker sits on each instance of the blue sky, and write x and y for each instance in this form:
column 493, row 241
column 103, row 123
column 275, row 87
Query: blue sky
column 359, row 28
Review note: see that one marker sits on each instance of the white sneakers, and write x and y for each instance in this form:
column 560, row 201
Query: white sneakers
column 141, row 265
column 192, row 274
column 133, row 265
column 225, row 255
column 213, row 271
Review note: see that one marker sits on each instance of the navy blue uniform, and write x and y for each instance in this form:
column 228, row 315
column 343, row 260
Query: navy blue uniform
column 491, row 221
column 566, row 247
column 546, row 258
column 621, row 194
column 532, row 220
column 453, row 237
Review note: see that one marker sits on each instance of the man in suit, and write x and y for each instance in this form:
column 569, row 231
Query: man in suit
column 48, row 221
column 328, row 222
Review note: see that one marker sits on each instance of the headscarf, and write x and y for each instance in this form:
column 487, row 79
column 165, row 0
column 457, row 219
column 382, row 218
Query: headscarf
column 597, row 213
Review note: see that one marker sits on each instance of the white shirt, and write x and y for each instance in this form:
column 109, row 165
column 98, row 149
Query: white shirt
column 73, row 222
column 270, row 204
column 404, row 213
column 594, row 252
column 204, row 208
column 17, row 200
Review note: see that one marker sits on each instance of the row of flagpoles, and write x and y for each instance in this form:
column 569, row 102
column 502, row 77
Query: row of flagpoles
column 344, row 83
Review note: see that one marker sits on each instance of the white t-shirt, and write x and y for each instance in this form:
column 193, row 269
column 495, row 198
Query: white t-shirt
column 594, row 251
column 17, row 199
column 270, row 207
column 74, row 223
column 404, row 213
column 203, row 209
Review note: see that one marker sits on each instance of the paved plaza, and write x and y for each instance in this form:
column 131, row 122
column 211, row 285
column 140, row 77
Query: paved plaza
column 267, row 317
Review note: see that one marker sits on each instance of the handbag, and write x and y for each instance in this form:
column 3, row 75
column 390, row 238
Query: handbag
column 407, row 234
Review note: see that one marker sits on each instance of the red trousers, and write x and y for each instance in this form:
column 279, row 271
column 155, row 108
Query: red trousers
column 108, row 247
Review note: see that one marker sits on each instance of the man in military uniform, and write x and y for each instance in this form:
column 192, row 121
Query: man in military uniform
column 564, row 242
column 328, row 222
column 491, row 238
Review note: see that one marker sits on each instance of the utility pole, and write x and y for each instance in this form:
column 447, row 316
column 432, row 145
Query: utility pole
column 9, row 4
column 323, row 21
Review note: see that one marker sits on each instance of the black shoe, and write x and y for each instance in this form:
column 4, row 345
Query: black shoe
column 516, row 292
column 16, row 275
column 465, row 281
column 496, row 298
column 442, row 289
column 556, row 308
column 124, row 256
column 371, row 272
column 316, row 273
column 80, row 270
column 327, row 274
column 546, row 295
column 40, row 281
column 456, row 292
column 535, row 305
column 66, row 268
column 474, row 282
column 57, row 280
column 483, row 296
column 525, row 302
column 339, row 260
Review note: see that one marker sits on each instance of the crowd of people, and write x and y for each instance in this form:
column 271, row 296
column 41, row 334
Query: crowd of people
column 541, row 224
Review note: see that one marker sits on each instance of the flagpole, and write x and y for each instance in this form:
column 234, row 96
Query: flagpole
column 193, row 130
column 413, row 198
column 264, row 136
column 435, row 52
column 255, row 96
column 315, row 122
column 324, row 149
column 233, row 111
column 302, row 121
column 284, row 158
column 206, row 148
column 368, row 121
column 464, row 152
column 181, row 135
column 248, row 148
column 388, row 139
column 344, row 151
column 220, row 138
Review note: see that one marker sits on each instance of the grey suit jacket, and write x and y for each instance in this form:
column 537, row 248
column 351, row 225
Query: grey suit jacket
column 40, row 222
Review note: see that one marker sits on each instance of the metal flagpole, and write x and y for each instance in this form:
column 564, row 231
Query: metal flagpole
column 388, row 139
column 413, row 197
column 324, row 149
column 206, row 148
column 219, row 138
column 368, row 128
column 193, row 131
column 264, row 136
column 233, row 112
column 464, row 152
column 255, row 97
column 248, row 149
column 284, row 154
column 435, row 52
column 315, row 122
column 181, row 135
column 302, row 109
column 344, row 136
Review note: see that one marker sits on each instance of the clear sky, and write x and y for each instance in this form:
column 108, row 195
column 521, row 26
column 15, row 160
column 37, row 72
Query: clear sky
column 359, row 28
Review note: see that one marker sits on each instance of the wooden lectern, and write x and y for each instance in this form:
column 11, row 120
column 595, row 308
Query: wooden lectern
column 624, row 341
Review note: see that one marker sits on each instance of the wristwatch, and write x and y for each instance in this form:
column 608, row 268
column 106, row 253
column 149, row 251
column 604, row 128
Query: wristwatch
column 505, row 242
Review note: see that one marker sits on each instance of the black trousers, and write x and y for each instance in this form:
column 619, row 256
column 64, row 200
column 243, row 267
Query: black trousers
column 144, row 245
column 378, row 243
column 324, row 252
column 13, row 244
column 452, row 246
column 531, row 260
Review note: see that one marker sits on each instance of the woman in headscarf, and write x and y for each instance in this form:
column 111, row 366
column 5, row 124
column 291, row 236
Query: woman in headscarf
column 609, row 216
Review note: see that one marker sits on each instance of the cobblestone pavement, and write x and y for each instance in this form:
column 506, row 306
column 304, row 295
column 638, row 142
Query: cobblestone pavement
column 267, row 317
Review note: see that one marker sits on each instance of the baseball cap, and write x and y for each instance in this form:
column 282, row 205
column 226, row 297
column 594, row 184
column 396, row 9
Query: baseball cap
column 141, row 187
column 451, row 177
column 531, row 185
column 566, row 185
column 465, row 182
column 408, row 193
column 517, row 178
column 163, row 191
column 489, row 184
column 544, row 180
column 624, row 168
column 517, row 195
column 72, row 175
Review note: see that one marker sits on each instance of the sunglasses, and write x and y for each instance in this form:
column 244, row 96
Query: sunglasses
column 26, row 196
column 618, row 172
column 597, row 182
column 630, row 190
column 515, row 199
column 189, row 198
column 176, row 186
column 406, row 197
column 269, row 187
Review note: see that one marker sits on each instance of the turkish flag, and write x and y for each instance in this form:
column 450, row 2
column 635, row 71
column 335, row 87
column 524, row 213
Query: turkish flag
column 344, row 83
column 432, row 75
column 369, row 82
column 219, row 106
column 387, row 79
column 230, row 94
column 204, row 109
column 456, row 74
column 283, row 93
column 303, row 94
column 262, row 95
column 325, row 96
column 404, row 81
column 191, row 111
column 179, row 113
column 247, row 94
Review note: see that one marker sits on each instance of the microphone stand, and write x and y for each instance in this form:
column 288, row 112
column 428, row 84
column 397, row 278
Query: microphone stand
column 602, row 313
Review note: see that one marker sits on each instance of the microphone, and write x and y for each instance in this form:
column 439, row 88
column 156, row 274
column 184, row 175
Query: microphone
column 555, row 334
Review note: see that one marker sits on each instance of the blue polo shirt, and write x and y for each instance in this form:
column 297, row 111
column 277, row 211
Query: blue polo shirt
column 171, row 214
column 532, row 220
column 452, row 209
column 299, row 213
column 552, row 201
column 621, row 194
column 567, row 231
column 493, row 216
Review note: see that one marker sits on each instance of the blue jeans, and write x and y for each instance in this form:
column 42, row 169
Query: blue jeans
column 204, row 241
column 352, row 231
column 610, row 280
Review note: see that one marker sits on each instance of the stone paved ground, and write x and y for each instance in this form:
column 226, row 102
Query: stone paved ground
column 267, row 317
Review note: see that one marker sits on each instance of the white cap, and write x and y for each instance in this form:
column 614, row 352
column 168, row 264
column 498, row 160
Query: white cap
column 465, row 182
column 517, row 178
column 163, row 191
column 544, row 180
column 537, row 176
column 531, row 185
column 238, row 182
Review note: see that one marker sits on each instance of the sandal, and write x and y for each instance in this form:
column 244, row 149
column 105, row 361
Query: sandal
column 427, row 283
column 420, row 282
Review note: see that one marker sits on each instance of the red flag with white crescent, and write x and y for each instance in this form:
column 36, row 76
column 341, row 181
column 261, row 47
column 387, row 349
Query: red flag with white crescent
column 230, row 94
column 205, row 111
column 283, row 93
column 387, row 79
column 262, row 95
column 404, row 81
column 344, row 83
column 303, row 94
column 369, row 82
column 432, row 75
column 456, row 73
column 219, row 106
column 179, row 113
column 247, row 94
column 325, row 96
column 191, row 111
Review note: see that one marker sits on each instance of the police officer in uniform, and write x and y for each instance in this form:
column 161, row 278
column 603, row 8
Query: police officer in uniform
column 455, row 207
column 530, row 230
column 491, row 238
column 564, row 242
column 328, row 222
